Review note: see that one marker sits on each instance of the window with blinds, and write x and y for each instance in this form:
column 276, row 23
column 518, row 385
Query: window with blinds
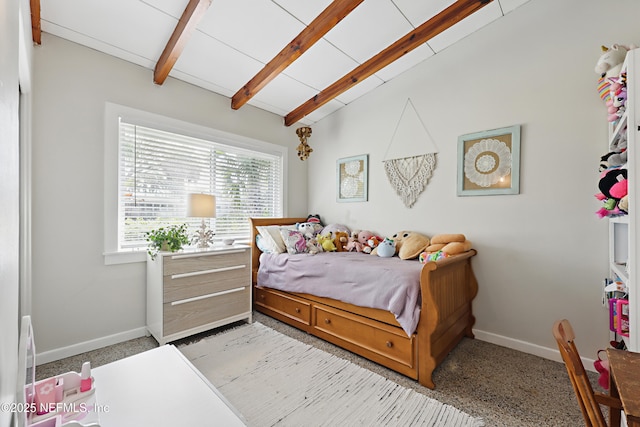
column 157, row 169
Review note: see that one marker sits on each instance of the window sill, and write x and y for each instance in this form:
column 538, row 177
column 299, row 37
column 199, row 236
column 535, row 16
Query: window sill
column 125, row 257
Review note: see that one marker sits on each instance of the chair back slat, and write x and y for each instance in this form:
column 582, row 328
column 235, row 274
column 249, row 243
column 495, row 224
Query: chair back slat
column 565, row 337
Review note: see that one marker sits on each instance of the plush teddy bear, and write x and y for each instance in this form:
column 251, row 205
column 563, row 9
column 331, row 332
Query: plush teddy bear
column 340, row 239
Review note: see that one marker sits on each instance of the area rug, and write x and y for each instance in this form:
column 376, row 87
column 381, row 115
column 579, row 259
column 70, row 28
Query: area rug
column 274, row 380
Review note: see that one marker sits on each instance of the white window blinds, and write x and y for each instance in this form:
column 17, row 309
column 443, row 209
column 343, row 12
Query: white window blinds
column 157, row 170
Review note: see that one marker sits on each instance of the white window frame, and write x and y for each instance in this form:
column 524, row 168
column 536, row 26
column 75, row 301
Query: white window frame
column 113, row 114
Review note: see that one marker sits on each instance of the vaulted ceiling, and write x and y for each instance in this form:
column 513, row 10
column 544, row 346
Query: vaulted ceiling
column 300, row 59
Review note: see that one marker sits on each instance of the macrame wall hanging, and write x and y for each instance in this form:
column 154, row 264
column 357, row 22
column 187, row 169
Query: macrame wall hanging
column 411, row 156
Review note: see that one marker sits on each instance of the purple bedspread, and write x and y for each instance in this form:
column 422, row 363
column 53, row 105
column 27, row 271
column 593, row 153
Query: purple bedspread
column 365, row 280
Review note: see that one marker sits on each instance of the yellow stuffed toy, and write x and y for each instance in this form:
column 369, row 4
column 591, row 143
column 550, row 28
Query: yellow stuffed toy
column 327, row 243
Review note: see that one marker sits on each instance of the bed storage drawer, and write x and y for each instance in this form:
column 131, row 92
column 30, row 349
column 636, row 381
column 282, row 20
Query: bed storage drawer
column 387, row 344
column 284, row 305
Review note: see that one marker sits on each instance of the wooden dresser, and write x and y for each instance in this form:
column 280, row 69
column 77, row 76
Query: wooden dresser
column 194, row 291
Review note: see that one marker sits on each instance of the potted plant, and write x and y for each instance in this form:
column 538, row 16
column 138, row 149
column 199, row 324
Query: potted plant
column 171, row 238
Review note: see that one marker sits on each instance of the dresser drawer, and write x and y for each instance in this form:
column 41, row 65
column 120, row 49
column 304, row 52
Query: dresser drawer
column 189, row 263
column 285, row 305
column 388, row 344
column 178, row 287
column 186, row 314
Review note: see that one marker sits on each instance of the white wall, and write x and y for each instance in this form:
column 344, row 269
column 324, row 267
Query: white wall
column 9, row 199
column 78, row 302
column 542, row 254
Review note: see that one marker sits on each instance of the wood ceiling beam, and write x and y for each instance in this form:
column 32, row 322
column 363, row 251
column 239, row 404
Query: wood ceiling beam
column 320, row 26
column 36, row 28
column 188, row 22
column 434, row 26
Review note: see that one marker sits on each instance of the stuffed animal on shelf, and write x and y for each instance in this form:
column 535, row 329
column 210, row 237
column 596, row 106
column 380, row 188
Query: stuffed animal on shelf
column 610, row 62
column 386, row 248
column 618, row 154
column 608, row 67
column 613, row 187
column 450, row 244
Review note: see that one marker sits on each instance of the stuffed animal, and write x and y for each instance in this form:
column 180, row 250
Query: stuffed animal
column 610, row 62
column 327, row 243
column 316, row 222
column 613, row 187
column 613, row 183
column 372, row 243
column 358, row 240
column 450, row 244
column 307, row 229
column 617, row 155
column 410, row 244
column 425, row 257
column 340, row 239
column 332, row 228
column 386, row 248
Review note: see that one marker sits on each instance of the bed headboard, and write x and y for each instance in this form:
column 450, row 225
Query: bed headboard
column 255, row 252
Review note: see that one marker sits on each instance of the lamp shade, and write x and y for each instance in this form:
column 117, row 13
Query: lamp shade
column 201, row 205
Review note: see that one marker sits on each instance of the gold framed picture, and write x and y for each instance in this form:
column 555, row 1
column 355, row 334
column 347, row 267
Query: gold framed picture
column 352, row 179
column 489, row 162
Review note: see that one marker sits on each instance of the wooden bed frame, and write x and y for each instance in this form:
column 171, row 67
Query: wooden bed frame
column 448, row 288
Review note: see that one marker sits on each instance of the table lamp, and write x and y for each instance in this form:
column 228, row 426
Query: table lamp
column 202, row 206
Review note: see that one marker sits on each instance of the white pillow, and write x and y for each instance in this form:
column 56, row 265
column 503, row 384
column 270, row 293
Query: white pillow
column 271, row 238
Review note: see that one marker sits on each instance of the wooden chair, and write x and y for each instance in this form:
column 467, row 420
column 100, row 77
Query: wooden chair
column 589, row 400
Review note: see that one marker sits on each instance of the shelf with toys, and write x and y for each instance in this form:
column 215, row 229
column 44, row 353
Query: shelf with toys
column 619, row 67
column 67, row 400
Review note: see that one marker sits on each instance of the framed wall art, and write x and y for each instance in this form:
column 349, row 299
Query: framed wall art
column 489, row 162
column 351, row 179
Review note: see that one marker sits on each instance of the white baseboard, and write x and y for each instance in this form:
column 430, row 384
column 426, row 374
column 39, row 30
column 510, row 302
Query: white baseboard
column 527, row 347
column 83, row 347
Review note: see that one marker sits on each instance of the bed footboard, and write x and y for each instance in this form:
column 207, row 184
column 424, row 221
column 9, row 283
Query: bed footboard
column 448, row 289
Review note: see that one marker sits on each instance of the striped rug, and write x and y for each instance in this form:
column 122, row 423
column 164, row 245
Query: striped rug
column 274, row 380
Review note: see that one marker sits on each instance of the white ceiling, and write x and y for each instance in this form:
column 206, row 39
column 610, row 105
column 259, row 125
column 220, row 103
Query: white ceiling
column 236, row 38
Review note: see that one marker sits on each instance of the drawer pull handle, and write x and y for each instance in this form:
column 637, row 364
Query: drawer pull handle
column 389, row 344
column 297, row 310
column 213, row 270
column 215, row 294
column 196, row 255
column 327, row 321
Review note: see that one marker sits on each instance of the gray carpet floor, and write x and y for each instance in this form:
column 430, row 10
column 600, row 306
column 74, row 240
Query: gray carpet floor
column 504, row 387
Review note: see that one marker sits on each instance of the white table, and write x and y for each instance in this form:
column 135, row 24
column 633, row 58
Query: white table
column 159, row 387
